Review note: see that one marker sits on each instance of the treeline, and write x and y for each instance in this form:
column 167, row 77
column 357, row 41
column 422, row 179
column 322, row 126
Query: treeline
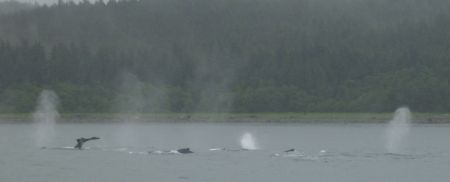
column 11, row 6
column 229, row 56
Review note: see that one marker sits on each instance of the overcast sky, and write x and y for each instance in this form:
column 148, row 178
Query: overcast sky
column 42, row 1
column 32, row 1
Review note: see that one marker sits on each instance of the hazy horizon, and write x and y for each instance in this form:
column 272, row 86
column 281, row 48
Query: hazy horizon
column 40, row 1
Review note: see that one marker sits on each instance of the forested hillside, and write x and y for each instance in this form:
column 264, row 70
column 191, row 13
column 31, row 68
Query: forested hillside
column 229, row 56
column 11, row 6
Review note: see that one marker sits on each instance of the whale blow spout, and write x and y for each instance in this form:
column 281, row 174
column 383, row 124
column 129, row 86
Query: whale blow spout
column 248, row 142
column 45, row 117
column 397, row 130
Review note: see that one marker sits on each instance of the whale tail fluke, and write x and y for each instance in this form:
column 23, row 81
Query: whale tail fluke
column 81, row 141
column 93, row 138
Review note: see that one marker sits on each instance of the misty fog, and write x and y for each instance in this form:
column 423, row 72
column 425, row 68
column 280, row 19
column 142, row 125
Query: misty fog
column 229, row 56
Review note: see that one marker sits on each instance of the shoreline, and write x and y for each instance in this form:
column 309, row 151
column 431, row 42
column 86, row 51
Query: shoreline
column 418, row 118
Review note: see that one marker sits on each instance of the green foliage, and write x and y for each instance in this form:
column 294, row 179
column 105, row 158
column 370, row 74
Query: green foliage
column 83, row 99
column 11, row 6
column 234, row 55
column 19, row 98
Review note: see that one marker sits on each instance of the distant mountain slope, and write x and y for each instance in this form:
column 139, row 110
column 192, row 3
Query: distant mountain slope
column 233, row 55
column 13, row 6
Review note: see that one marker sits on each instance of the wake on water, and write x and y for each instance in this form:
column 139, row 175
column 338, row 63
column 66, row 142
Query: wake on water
column 396, row 134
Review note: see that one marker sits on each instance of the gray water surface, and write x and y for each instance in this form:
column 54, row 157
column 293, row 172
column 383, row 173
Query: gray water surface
column 354, row 152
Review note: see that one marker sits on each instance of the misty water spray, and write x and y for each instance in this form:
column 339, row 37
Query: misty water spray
column 131, row 102
column 44, row 118
column 397, row 130
column 248, row 142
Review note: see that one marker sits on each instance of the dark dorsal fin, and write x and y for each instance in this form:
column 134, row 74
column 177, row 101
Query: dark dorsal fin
column 185, row 151
column 290, row 150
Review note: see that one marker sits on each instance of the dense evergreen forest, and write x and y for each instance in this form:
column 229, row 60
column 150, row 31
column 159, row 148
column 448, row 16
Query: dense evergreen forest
column 11, row 6
column 228, row 55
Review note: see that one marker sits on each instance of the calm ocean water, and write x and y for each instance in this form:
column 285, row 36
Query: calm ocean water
column 325, row 152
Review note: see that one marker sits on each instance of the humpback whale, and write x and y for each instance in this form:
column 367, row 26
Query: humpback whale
column 185, row 151
column 81, row 141
column 289, row 153
column 290, row 150
column 178, row 151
